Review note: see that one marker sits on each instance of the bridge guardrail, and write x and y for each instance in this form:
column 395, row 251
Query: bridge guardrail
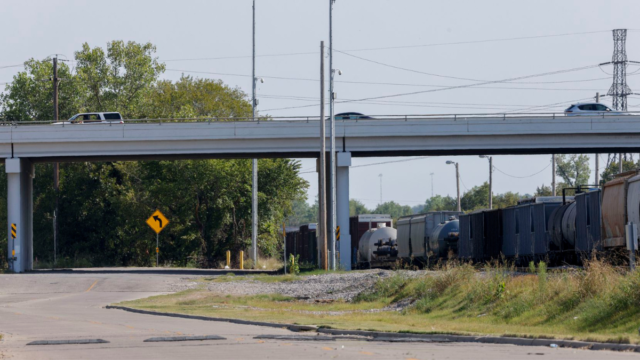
column 415, row 117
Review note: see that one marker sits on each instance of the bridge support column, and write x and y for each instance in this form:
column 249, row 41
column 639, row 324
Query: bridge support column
column 20, row 174
column 342, row 208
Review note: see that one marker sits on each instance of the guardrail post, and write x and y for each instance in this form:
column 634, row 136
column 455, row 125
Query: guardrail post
column 228, row 259
column 241, row 260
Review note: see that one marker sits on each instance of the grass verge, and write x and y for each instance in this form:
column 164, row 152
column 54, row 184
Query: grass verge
column 597, row 303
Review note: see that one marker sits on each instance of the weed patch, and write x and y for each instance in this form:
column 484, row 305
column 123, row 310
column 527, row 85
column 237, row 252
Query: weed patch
column 599, row 302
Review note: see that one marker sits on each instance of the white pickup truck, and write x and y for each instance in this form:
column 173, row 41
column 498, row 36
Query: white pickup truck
column 94, row 118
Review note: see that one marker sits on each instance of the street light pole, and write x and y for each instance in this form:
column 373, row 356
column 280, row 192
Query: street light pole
column 449, row 162
column 254, row 163
column 56, row 166
column 458, row 186
column 323, row 167
column 380, row 176
column 332, row 148
column 553, row 174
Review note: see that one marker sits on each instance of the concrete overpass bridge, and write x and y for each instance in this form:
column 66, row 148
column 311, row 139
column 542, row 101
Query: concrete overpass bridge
column 26, row 143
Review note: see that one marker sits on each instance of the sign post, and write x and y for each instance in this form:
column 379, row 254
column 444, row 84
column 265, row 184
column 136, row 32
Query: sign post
column 14, row 235
column 284, row 246
column 632, row 243
column 157, row 221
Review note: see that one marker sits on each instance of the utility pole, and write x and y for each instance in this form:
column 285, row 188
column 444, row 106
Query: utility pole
column 490, row 182
column 323, row 167
column 597, row 155
column 254, row 163
column 490, row 179
column 332, row 172
column 56, row 166
column 597, row 169
column 553, row 174
column 380, row 176
column 431, row 184
column 449, row 162
column 620, row 167
column 458, row 186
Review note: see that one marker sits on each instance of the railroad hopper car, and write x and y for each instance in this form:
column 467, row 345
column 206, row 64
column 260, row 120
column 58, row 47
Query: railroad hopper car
column 549, row 228
column 359, row 225
column 620, row 206
column 575, row 228
column 424, row 237
column 303, row 242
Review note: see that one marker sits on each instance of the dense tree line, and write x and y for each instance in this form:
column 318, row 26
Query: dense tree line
column 103, row 206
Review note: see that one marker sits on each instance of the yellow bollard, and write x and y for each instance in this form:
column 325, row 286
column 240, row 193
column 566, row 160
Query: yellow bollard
column 228, row 259
column 241, row 260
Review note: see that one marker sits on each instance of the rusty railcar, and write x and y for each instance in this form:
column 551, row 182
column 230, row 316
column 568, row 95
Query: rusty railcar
column 615, row 206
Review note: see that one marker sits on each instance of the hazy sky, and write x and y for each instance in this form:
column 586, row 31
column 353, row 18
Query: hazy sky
column 441, row 38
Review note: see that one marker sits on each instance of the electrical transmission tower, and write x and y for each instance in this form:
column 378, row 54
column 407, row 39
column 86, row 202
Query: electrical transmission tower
column 619, row 89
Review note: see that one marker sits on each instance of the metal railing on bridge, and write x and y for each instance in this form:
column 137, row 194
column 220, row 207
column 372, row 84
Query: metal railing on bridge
column 413, row 117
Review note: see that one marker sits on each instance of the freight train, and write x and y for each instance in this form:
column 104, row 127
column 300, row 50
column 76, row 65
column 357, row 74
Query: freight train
column 557, row 229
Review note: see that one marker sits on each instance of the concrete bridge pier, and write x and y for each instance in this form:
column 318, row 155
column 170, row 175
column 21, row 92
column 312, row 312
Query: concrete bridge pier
column 342, row 208
column 20, row 174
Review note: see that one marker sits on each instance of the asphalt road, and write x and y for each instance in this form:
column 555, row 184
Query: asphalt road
column 68, row 306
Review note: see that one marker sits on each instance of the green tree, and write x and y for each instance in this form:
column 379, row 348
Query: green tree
column 103, row 205
column 476, row 198
column 30, row 95
column 190, row 98
column 614, row 167
column 543, row 190
column 507, row 199
column 356, row 207
column 118, row 79
column 573, row 169
column 302, row 213
column 394, row 209
column 440, row 203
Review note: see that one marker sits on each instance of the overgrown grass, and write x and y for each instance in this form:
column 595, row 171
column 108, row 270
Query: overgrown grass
column 599, row 303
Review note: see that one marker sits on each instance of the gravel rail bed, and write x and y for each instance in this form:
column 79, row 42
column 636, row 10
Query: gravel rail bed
column 325, row 287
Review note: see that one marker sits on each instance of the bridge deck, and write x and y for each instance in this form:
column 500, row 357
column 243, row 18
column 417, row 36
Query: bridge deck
column 299, row 138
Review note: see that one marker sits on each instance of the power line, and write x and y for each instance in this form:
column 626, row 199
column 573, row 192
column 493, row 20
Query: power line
column 471, row 85
column 242, row 75
column 384, row 83
column 542, row 107
column 11, row 66
column 241, row 57
column 394, row 47
column 378, row 163
column 408, row 103
column 479, row 41
column 521, row 177
column 456, row 77
column 448, row 88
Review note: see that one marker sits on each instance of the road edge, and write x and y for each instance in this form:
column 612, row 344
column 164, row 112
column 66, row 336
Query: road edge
column 291, row 327
column 394, row 336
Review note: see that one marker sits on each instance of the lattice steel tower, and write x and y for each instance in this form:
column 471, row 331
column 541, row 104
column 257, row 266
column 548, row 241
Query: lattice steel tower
column 619, row 89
